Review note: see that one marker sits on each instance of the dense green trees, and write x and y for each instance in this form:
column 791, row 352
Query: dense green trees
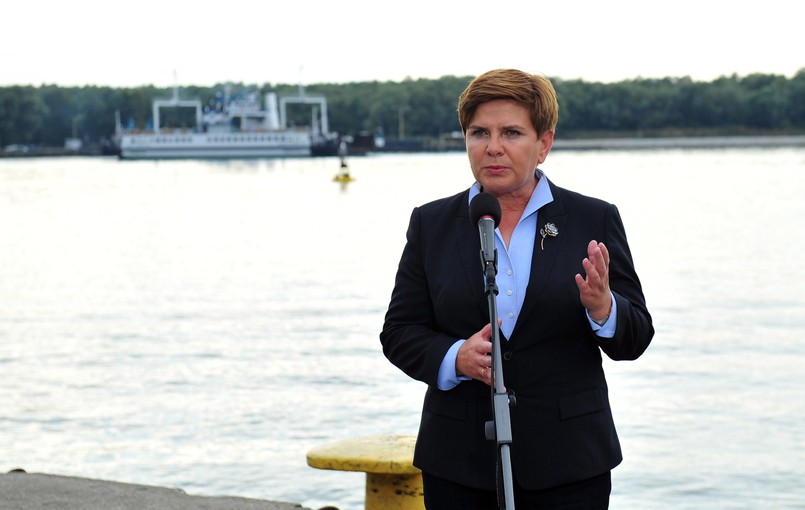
column 425, row 108
column 754, row 103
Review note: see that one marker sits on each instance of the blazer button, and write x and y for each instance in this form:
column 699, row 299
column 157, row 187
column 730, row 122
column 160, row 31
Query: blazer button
column 507, row 355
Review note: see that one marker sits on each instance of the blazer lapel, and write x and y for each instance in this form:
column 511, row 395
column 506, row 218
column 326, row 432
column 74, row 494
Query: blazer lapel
column 546, row 251
column 468, row 245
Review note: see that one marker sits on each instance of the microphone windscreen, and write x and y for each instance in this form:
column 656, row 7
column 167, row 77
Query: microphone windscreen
column 484, row 204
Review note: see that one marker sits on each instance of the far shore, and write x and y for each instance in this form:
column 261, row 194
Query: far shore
column 679, row 142
column 457, row 144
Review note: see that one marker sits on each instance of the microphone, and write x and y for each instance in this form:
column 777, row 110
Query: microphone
column 485, row 212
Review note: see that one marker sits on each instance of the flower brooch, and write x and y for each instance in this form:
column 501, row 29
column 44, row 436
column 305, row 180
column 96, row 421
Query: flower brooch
column 548, row 230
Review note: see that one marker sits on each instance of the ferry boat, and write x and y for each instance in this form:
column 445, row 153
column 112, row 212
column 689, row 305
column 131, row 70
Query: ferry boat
column 235, row 128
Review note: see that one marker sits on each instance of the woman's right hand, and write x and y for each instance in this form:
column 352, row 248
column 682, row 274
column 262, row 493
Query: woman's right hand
column 474, row 357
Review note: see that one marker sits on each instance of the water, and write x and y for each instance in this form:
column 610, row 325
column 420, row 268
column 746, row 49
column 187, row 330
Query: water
column 202, row 325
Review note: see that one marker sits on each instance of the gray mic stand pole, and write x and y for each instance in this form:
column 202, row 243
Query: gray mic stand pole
column 501, row 428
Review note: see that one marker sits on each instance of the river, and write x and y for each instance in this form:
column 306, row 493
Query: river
column 202, row 325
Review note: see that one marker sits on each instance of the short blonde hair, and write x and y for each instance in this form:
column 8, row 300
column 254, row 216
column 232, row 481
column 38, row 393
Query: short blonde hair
column 534, row 92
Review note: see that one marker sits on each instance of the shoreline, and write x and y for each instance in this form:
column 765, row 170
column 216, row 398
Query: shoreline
column 680, row 142
column 579, row 144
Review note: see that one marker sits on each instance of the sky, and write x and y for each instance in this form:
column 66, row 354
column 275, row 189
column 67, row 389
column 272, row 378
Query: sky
column 177, row 42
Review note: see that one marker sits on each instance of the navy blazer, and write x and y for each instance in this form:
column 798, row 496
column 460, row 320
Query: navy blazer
column 562, row 426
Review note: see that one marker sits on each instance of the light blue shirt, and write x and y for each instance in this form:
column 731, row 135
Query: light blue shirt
column 514, row 270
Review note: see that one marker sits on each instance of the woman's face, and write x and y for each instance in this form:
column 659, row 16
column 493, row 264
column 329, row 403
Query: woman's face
column 504, row 148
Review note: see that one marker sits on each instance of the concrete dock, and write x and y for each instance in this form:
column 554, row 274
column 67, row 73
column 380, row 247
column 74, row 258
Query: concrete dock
column 32, row 491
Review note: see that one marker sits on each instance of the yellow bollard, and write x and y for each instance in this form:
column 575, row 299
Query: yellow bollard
column 392, row 481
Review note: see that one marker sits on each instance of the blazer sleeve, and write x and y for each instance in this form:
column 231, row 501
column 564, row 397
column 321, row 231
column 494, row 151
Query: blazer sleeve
column 410, row 336
column 634, row 327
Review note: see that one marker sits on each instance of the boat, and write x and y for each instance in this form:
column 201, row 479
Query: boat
column 234, row 128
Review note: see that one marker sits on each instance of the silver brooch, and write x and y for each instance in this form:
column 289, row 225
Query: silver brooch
column 548, row 230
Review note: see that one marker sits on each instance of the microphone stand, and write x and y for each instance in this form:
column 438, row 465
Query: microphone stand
column 500, row 428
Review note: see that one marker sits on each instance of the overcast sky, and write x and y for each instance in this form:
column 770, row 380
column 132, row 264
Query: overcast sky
column 127, row 44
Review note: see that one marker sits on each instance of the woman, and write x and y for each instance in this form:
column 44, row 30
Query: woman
column 567, row 291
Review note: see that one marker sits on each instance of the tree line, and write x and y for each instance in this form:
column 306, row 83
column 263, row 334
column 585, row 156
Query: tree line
column 426, row 108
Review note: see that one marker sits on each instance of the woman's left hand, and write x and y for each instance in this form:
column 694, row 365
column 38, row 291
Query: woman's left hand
column 594, row 288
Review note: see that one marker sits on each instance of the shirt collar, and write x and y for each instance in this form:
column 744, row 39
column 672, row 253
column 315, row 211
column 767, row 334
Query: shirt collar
column 539, row 197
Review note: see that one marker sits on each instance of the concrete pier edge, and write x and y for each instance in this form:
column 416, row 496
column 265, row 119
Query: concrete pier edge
column 20, row 490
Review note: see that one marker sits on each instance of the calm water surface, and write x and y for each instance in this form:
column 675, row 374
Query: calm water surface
column 202, row 325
